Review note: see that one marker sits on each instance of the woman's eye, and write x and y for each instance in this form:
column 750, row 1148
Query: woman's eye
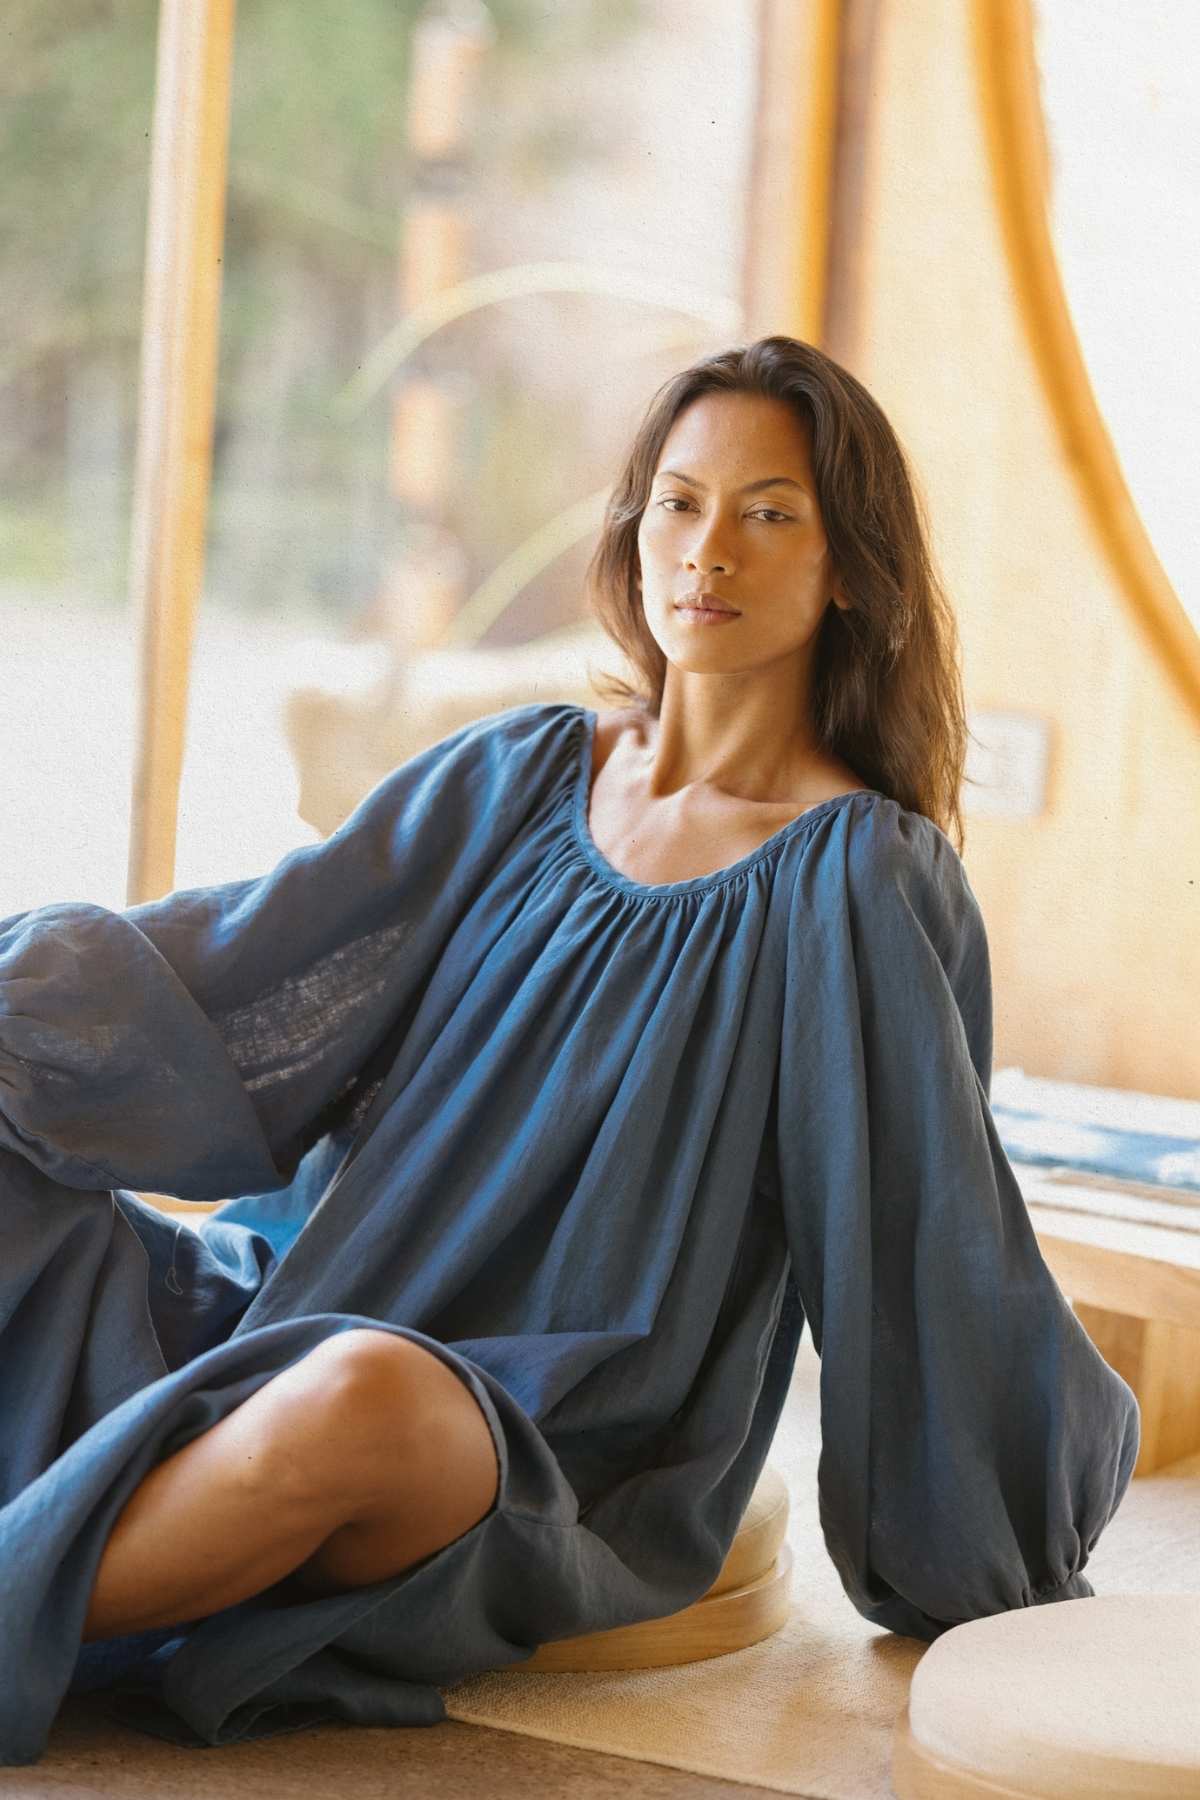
column 673, row 500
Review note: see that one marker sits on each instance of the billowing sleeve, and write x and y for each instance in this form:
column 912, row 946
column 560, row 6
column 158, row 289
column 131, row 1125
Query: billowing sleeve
column 974, row 1441
column 194, row 1044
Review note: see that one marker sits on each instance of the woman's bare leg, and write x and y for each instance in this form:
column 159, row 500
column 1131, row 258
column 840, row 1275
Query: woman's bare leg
column 360, row 1459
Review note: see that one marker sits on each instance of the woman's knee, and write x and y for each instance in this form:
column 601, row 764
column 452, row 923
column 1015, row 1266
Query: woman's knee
column 379, row 1377
column 426, row 1484
column 368, row 1412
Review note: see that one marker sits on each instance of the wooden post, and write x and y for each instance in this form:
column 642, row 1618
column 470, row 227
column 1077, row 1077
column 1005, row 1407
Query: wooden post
column 181, row 305
column 426, row 579
column 790, row 189
column 859, row 25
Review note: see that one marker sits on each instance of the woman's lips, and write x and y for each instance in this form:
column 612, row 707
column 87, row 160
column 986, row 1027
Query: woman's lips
column 705, row 615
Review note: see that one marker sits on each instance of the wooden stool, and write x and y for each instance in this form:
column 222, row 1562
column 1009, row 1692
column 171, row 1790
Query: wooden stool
column 1092, row 1699
column 750, row 1599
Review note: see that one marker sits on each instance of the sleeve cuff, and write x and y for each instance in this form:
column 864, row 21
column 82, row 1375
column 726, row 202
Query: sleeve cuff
column 1075, row 1587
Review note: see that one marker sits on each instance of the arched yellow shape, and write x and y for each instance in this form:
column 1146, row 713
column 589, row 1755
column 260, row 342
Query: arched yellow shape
column 1010, row 103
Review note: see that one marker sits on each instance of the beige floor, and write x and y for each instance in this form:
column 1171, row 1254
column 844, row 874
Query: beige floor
column 810, row 1711
column 451, row 1761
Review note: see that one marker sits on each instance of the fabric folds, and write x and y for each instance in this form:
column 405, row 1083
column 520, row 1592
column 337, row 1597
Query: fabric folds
column 600, row 1146
column 974, row 1441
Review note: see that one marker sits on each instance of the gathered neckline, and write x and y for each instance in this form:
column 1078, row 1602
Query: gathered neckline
column 586, row 719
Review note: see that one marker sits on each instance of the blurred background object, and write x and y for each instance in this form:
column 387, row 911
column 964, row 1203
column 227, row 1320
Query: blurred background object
column 462, row 244
column 382, row 159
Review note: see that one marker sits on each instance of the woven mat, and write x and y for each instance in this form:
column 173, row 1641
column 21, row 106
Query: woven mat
column 812, row 1709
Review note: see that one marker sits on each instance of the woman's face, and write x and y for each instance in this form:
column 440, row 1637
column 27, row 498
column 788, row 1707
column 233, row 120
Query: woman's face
column 762, row 549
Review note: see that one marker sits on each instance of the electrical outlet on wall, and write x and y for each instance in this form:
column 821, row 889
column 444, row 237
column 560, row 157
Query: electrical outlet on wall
column 1007, row 758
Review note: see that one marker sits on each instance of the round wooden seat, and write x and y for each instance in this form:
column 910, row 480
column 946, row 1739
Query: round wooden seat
column 750, row 1599
column 1092, row 1699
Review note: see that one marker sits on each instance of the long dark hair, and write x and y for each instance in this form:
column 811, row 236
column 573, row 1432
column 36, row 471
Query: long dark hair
column 887, row 688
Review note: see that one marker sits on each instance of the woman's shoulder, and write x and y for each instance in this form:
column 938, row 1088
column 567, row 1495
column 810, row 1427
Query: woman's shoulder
column 505, row 730
column 480, row 759
column 831, row 781
column 885, row 838
column 901, row 868
column 612, row 724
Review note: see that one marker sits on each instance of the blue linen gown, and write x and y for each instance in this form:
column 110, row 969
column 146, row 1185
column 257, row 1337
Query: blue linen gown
column 602, row 1147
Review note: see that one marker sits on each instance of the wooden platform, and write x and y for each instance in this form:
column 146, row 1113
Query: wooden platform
column 1128, row 1259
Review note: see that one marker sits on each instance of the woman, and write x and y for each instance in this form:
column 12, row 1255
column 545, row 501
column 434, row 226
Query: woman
column 585, row 1062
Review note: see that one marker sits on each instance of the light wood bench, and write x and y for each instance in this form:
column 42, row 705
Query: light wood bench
column 1130, row 1266
column 1124, row 1248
